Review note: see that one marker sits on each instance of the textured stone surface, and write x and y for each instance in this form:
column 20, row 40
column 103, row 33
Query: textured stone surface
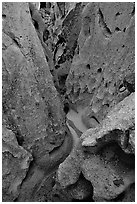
column 108, row 175
column 31, row 106
column 83, row 55
column 102, row 73
column 15, row 165
column 118, row 126
column 32, row 100
column 81, row 190
column 69, row 171
column 111, row 168
column 130, row 194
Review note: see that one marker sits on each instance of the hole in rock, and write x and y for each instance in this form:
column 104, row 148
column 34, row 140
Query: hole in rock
column 99, row 70
column 57, row 66
column 47, row 59
column 117, row 29
column 118, row 182
column 106, row 84
column 88, row 66
column 37, row 104
column 133, row 11
column 36, row 25
column 42, row 4
column 106, row 104
column 66, row 108
column 3, row 16
column 118, row 14
column 124, row 30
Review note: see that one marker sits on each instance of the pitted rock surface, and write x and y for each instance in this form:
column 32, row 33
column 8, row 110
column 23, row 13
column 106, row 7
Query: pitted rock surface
column 100, row 72
column 118, row 126
column 109, row 178
column 32, row 108
column 68, row 69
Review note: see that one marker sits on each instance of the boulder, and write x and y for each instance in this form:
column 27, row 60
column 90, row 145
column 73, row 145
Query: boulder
column 118, row 126
column 110, row 162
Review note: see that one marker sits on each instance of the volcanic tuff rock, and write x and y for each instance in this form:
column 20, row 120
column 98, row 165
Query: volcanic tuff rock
column 102, row 78
column 16, row 161
column 102, row 71
column 112, row 167
column 59, row 59
column 32, row 109
column 69, row 171
column 109, row 177
column 119, row 126
column 107, row 157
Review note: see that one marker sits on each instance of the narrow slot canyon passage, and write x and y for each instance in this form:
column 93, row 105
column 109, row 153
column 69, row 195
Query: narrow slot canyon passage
column 68, row 101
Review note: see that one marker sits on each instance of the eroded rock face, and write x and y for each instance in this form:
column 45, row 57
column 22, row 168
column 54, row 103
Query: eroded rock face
column 108, row 160
column 33, row 99
column 15, row 165
column 102, row 73
column 118, row 126
column 76, row 59
column 112, row 168
column 109, row 175
column 81, row 190
column 31, row 106
column 69, row 171
column 102, row 79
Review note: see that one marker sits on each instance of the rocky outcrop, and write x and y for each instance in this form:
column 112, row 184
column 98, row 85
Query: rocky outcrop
column 108, row 160
column 111, row 146
column 109, row 176
column 15, row 165
column 118, row 126
column 102, row 72
column 102, row 79
column 69, row 171
column 68, row 101
column 32, row 109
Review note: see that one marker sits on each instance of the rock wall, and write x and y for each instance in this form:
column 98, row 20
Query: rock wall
column 102, row 73
column 66, row 64
column 32, row 110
